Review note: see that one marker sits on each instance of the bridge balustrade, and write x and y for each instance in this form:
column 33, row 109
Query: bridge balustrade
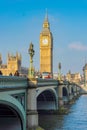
column 13, row 82
column 46, row 82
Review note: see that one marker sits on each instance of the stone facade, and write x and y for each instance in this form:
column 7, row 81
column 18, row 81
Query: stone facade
column 13, row 64
column 76, row 77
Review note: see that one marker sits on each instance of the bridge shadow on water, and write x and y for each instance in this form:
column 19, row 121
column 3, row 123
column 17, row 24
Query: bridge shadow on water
column 9, row 119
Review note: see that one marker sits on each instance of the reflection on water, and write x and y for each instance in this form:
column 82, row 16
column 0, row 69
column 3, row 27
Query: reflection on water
column 9, row 123
column 76, row 119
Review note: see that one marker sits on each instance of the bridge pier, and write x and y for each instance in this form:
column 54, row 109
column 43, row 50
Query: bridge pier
column 60, row 98
column 70, row 97
column 60, row 102
column 78, row 91
column 70, row 93
column 32, row 114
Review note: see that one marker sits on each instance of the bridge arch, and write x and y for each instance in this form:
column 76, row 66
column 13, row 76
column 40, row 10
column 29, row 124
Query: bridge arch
column 10, row 101
column 47, row 99
column 65, row 91
column 72, row 90
column 65, row 94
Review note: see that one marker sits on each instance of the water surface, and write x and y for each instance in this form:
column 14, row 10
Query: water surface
column 76, row 119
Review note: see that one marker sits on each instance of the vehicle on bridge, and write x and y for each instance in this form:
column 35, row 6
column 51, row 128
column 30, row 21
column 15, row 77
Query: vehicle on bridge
column 46, row 75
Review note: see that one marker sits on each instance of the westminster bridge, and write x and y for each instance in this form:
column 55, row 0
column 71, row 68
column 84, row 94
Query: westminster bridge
column 25, row 97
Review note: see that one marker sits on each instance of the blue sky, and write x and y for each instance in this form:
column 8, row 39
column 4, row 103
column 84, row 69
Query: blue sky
column 21, row 22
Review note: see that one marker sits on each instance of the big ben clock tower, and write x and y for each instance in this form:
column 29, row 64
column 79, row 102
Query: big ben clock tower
column 46, row 48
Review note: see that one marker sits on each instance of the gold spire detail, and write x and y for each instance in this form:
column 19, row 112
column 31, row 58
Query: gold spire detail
column 46, row 22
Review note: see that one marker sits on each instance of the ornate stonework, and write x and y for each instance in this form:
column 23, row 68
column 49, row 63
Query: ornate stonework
column 13, row 64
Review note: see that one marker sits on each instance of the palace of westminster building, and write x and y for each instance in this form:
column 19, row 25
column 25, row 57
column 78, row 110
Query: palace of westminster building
column 13, row 65
column 46, row 57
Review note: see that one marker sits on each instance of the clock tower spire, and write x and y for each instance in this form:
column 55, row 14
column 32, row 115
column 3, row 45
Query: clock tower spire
column 46, row 24
column 46, row 47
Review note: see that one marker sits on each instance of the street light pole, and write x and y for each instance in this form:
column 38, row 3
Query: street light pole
column 59, row 71
column 31, row 68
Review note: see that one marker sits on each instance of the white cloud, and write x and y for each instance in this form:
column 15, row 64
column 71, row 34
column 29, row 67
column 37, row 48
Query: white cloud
column 78, row 46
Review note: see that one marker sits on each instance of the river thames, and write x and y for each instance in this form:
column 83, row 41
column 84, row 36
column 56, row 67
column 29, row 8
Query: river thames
column 76, row 119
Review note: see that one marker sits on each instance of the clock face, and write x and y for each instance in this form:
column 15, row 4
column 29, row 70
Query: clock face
column 45, row 41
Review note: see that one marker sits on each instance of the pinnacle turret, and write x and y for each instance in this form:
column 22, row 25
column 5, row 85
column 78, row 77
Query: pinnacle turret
column 46, row 24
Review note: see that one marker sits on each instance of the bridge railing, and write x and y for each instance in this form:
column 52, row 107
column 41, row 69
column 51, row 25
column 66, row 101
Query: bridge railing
column 46, row 82
column 13, row 82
